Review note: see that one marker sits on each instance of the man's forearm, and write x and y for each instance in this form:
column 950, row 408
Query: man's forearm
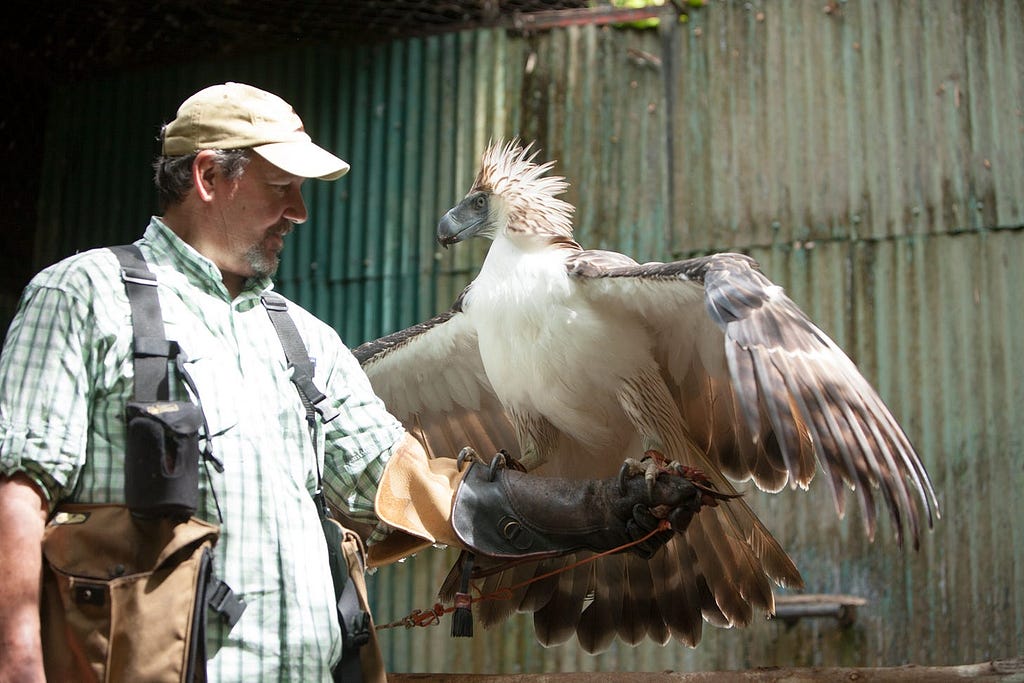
column 22, row 519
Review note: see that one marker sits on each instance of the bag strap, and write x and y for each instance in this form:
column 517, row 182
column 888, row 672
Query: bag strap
column 355, row 632
column 151, row 350
column 353, row 620
column 298, row 358
column 211, row 594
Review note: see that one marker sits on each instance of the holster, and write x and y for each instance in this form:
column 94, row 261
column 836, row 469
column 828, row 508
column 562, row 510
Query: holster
column 161, row 468
column 362, row 659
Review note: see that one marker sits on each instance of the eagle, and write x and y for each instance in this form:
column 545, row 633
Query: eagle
column 573, row 361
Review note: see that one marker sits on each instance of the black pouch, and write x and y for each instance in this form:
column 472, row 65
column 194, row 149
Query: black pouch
column 162, row 458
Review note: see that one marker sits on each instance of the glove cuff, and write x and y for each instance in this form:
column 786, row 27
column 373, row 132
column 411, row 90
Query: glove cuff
column 414, row 498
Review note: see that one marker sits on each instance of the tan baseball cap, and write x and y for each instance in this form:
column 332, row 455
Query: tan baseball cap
column 239, row 116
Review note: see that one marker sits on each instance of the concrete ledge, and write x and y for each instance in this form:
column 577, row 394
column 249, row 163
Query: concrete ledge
column 843, row 608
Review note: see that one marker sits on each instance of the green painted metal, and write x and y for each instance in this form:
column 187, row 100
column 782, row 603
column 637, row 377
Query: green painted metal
column 869, row 157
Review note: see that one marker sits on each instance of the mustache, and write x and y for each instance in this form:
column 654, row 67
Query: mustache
column 283, row 228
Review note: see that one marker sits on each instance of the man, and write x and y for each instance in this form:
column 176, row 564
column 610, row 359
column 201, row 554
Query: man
column 229, row 181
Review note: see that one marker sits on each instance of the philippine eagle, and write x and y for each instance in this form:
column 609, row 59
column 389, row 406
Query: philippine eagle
column 574, row 360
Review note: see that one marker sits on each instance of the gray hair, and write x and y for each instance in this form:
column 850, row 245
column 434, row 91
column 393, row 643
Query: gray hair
column 173, row 175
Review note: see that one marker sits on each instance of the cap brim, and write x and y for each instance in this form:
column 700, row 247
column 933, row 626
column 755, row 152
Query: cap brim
column 304, row 159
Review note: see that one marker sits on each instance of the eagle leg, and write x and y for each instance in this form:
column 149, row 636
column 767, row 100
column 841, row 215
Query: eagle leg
column 537, row 438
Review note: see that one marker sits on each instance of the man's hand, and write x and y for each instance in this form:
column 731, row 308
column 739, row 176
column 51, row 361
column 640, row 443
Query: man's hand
column 22, row 520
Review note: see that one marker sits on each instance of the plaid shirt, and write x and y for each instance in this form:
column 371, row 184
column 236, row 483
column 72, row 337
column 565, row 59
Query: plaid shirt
column 66, row 373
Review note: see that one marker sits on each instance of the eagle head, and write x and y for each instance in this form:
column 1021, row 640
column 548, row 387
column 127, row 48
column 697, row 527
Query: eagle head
column 511, row 196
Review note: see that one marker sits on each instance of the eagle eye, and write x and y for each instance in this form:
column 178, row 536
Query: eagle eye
column 480, row 202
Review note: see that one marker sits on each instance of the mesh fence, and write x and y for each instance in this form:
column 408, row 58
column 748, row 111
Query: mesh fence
column 55, row 37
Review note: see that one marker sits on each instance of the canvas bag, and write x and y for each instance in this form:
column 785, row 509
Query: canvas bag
column 125, row 598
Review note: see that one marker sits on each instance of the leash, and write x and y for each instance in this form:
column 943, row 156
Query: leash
column 432, row 616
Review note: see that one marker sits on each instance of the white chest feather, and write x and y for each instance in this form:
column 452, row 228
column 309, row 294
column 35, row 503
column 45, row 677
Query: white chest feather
column 545, row 347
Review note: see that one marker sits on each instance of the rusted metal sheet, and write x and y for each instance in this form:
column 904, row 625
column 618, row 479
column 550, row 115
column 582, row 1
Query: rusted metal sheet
column 593, row 98
column 870, row 120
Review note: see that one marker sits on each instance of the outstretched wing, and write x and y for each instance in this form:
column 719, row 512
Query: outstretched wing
column 431, row 378
column 761, row 388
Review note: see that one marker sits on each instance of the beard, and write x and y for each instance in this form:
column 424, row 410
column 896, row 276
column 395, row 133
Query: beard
column 262, row 258
column 262, row 263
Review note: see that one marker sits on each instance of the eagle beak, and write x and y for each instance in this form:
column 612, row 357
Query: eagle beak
column 448, row 230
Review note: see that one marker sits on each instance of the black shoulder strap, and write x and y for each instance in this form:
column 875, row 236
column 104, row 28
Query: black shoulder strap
column 354, row 622
column 298, row 358
column 152, row 351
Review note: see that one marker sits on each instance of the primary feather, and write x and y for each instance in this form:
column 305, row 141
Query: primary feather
column 575, row 360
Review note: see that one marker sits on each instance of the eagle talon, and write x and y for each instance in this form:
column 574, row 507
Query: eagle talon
column 651, row 477
column 634, row 466
column 467, row 454
column 497, row 463
column 629, row 468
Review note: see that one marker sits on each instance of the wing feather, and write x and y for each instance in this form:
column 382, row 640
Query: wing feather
column 431, row 378
column 597, row 627
column 676, row 584
column 636, row 598
column 556, row 622
column 795, row 395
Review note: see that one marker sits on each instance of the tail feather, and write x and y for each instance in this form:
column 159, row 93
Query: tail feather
column 637, row 596
column 556, row 622
column 675, row 583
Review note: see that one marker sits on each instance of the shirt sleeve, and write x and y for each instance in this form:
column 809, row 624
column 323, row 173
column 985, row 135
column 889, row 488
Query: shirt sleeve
column 44, row 390
column 359, row 442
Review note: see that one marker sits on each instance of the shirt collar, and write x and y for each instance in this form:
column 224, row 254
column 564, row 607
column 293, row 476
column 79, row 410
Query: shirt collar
column 170, row 250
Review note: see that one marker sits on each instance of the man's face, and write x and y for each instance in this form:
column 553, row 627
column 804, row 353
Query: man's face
column 258, row 210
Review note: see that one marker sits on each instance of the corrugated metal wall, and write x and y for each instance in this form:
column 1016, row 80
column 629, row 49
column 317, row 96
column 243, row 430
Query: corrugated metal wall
column 871, row 157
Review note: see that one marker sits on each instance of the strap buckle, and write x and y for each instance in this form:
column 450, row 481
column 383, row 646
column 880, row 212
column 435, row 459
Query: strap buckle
column 324, row 409
column 273, row 302
column 224, row 602
column 137, row 276
column 356, row 632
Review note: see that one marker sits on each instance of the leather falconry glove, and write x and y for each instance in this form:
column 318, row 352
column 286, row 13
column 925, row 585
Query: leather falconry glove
column 504, row 513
